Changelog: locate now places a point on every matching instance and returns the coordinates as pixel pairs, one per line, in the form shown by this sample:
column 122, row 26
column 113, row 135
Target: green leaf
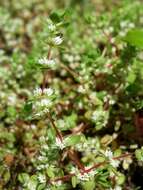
column 23, row 177
column 74, row 181
column 73, row 139
column 67, row 123
column 41, row 187
column 131, row 77
column 120, row 179
column 27, row 110
column 55, row 17
column 60, row 16
column 50, row 172
column 139, row 154
column 6, row 176
column 135, row 37
column 32, row 184
column 90, row 185
column 7, row 136
column 11, row 111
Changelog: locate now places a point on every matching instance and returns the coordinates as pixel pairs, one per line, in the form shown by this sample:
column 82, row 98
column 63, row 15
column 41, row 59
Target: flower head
column 41, row 178
column 113, row 162
column 47, row 62
column 51, row 27
column 57, row 40
column 48, row 91
column 86, row 176
column 60, row 144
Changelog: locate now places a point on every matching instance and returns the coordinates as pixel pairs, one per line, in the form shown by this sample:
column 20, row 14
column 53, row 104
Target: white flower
column 33, row 126
column 127, row 162
column 12, row 100
column 109, row 154
column 57, row 183
column 60, row 144
column 86, row 176
column 111, row 29
column 122, row 33
column 83, row 177
column 81, row 89
column 42, row 60
column 42, row 178
column 41, row 158
column 57, row 40
column 51, row 27
column 100, row 115
column 38, row 114
column 42, row 139
column 43, row 112
column 131, row 25
column 45, row 147
column 114, row 163
column 37, row 92
column 48, row 91
column 48, row 62
column 123, row 24
column 96, row 115
column 112, row 174
column 44, row 102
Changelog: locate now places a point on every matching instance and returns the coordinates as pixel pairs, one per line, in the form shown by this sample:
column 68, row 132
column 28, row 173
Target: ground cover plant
column 71, row 92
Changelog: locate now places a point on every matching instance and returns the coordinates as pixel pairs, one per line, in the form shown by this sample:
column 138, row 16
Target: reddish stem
column 122, row 156
column 63, row 178
column 75, row 159
column 59, row 134
column 67, row 177
column 95, row 166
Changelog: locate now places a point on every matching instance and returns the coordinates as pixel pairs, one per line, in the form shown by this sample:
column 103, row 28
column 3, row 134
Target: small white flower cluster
column 85, row 176
column 51, row 27
column 57, row 40
column 88, row 147
column 12, row 99
column 46, row 91
column 125, row 26
column 109, row 30
column 60, row 144
column 43, row 101
column 49, row 63
column 126, row 162
column 100, row 117
column 113, row 162
column 82, row 89
column 42, row 113
column 57, row 183
column 73, row 59
column 42, row 160
column 41, row 178
column 110, row 99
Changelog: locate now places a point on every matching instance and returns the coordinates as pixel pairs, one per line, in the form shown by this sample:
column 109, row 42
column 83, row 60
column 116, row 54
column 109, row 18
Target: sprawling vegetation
column 71, row 95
